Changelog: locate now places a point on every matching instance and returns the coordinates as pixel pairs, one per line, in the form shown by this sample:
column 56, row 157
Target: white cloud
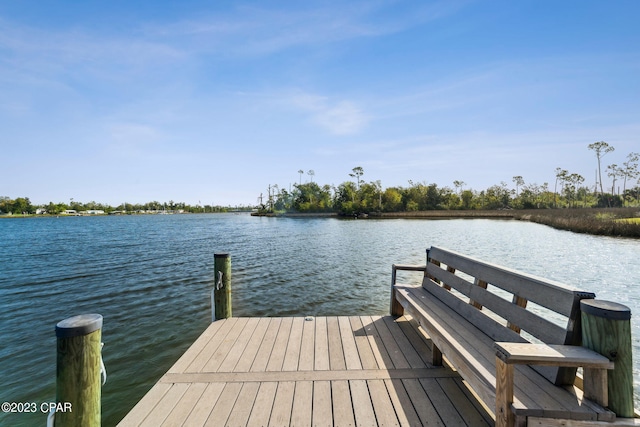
column 259, row 31
column 342, row 117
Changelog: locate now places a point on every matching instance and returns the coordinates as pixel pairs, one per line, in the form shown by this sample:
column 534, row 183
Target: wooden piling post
column 79, row 356
column 222, row 290
column 606, row 329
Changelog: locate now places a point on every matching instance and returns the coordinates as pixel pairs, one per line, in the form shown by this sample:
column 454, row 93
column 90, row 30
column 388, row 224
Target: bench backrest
column 506, row 304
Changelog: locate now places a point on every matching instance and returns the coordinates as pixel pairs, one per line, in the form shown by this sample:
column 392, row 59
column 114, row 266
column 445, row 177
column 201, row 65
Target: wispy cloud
column 253, row 30
column 30, row 51
column 340, row 117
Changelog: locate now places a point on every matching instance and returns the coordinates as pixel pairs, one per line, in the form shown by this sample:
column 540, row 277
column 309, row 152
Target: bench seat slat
column 547, row 293
column 537, row 395
column 471, row 352
column 462, row 345
column 537, row 326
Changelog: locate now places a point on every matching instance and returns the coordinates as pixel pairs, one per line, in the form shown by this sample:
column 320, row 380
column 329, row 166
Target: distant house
column 94, row 212
column 70, row 212
column 41, row 211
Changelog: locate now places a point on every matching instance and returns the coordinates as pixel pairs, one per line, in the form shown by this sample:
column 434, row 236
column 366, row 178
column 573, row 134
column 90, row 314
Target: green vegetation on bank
column 23, row 206
column 359, row 197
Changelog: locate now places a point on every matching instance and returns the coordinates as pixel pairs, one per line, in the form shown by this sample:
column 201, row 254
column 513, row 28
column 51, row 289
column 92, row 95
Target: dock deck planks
column 327, row 371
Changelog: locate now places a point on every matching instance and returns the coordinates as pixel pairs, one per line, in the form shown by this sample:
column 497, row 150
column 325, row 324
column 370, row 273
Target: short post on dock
column 79, row 359
column 222, row 290
column 606, row 329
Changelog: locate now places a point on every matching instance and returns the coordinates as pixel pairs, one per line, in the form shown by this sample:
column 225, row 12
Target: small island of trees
column 357, row 196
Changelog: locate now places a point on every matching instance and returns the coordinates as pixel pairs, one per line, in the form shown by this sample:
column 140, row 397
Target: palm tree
column 601, row 148
column 519, row 182
column 630, row 169
column 357, row 173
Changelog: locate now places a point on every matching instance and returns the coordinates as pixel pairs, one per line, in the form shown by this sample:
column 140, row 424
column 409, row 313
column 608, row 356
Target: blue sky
column 211, row 102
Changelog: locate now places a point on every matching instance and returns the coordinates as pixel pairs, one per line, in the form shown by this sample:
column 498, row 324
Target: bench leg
column 595, row 385
column 504, row 394
column 397, row 309
column 436, row 355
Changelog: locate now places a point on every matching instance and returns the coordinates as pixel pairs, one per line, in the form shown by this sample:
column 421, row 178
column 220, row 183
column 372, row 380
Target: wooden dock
column 319, row 371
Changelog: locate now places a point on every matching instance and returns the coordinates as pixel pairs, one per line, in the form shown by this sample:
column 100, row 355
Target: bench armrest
column 550, row 355
column 396, row 309
column 510, row 353
column 405, row 267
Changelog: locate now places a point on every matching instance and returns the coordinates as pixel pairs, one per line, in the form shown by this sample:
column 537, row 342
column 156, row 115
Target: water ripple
column 151, row 277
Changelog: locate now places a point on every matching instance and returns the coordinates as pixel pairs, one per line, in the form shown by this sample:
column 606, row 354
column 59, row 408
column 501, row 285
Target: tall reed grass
column 604, row 221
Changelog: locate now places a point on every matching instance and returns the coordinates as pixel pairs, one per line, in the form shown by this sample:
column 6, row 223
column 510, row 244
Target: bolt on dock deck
column 320, row 371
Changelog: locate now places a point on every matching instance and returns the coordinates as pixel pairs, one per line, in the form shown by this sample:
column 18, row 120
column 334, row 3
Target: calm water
column 151, row 277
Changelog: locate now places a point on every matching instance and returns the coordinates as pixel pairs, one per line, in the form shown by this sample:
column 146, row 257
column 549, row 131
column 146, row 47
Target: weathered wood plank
column 362, row 406
column 225, row 346
column 483, row 285
column 336, row 352
column 322, row 407
column 248, row 357
column 411, row 355
column 266, row 346
column 203, row 407
column 463, row 345
column 292, row 354
column 247, row 377
column 186, row 404
column 398, row 360
column 446, row 410
column 302, row 404
column 343, row 414
column 326, row 375
column 520, row 302
column 280, row 345
column 261, row 411
column 538, row 397
column 547, row 293
column 422, row 404
column 382, row 406
column 307, row 347
column 282, row 404
column 241, row 411
column 550, row 422
column 405, row 412
column 463, row 405
column 479, row 406
column 321, row 362
column 351, row 356
column 379, row 351
column 536, row 325
column 146, row 405
column 418, row 341
column 225, row 403
column 558, row 355
column 164, row 406
column 203, row 342
column 367, row 358
column 239, row 346
column 199, row 360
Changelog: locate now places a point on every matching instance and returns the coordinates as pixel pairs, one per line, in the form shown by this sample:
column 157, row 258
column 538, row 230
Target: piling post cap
column 221, row 255
column 606, row 309
column 80, row 325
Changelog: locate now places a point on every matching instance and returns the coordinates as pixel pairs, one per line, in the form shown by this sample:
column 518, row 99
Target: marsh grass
column 622, row 222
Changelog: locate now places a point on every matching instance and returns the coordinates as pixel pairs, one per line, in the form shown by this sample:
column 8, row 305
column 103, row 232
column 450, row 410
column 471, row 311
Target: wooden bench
column 513, row 337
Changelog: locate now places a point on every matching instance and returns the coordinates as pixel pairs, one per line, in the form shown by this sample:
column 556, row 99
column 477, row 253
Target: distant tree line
column 22, row 205
column 357, row 196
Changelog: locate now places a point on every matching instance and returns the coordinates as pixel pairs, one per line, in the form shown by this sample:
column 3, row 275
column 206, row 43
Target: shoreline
column 594, row 221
